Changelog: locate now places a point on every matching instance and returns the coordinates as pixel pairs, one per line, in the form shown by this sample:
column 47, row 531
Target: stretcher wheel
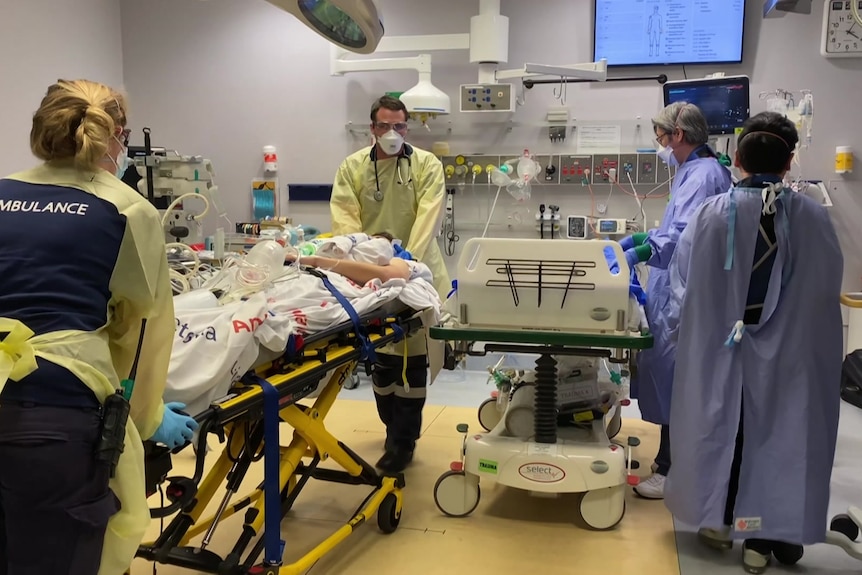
column 457, row 494
column 352, row 380
column 489, row 415
column 603, row 509
column 388, row 516
column 845, row 525
column 616, row 423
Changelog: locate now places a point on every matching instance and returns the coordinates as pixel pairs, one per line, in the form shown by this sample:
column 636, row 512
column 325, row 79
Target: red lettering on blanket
column 299, row 317
column 249, row 326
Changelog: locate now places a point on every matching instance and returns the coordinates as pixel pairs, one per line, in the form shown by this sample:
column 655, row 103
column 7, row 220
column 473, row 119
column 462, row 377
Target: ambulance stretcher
column 247, row 424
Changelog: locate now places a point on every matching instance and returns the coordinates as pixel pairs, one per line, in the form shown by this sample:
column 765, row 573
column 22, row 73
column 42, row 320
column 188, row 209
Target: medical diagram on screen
column 668, row 32
column 654, row 31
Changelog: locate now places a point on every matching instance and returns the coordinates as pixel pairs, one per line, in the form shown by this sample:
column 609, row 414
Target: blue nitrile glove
column 613, row 264
column 176, row 429
column 627, row 243
column 635, row 288
column 401, row 252
column 632, row 257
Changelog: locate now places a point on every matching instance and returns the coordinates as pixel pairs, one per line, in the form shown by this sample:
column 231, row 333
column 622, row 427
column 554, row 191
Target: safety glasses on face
column 661, row 138
column 123, row 137
column 386, row 126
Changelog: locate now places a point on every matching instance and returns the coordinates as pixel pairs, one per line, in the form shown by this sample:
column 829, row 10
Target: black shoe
column 385, row 462
column 395, row 461
column 787, row 554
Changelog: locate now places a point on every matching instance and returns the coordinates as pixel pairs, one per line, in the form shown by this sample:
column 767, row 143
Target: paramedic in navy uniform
column 82, row 264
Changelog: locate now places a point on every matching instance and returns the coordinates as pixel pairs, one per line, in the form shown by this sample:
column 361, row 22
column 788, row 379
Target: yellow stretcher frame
column 240, row 417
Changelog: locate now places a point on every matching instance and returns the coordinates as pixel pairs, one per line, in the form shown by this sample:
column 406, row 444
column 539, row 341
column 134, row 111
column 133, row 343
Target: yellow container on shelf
column 843, row 160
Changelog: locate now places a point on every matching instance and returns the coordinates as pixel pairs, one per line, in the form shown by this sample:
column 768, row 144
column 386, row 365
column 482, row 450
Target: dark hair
column 389, row 103
column 766, row 143
column 385, row 235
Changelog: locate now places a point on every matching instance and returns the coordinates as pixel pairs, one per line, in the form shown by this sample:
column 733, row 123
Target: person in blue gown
column 682, row 132
column 755, row 282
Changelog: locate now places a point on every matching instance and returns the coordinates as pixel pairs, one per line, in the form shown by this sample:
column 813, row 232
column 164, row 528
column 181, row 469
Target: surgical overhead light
column 425, row 98
column 355, row 25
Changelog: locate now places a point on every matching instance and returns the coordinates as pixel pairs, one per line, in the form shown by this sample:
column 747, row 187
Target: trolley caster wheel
column 845, row 525
column 489, row 415
column 603, row 509
column 457, row 494
column 388, row 515
column 352, row 381
column 615, row 424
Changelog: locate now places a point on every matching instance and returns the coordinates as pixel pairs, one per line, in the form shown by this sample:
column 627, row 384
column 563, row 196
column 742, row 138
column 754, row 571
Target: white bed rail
column 544, row 285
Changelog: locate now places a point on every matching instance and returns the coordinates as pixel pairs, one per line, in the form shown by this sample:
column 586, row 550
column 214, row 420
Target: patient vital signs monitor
column 652, row 32
column 724, row 101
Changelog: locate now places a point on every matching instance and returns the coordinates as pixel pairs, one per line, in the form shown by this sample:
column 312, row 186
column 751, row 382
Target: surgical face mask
column 121, row 161
column 391, row 142
column 666, row 154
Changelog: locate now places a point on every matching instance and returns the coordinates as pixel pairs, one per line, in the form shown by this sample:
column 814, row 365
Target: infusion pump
column 577, row 227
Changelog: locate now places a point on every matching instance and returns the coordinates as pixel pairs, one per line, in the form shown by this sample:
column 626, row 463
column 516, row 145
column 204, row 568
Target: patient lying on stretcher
column 371, row 260
column 216, row 343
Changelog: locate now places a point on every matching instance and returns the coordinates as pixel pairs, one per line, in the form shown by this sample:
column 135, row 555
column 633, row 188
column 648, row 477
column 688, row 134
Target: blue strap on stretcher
column 273, row 544
column 366, row 349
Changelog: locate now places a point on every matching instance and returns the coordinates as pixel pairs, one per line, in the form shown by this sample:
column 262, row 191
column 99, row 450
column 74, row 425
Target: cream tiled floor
column 510, row 531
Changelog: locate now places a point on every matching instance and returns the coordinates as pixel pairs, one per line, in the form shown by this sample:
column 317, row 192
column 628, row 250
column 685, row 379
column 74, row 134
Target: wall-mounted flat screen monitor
column 663, row 32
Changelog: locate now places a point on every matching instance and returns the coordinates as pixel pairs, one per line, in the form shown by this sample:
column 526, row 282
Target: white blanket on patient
column 214, row 347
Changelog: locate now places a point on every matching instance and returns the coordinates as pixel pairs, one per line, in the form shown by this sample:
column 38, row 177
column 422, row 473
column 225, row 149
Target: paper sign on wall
column 599, row 139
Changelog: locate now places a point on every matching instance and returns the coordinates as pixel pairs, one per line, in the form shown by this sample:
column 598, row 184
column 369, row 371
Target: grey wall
column 223, row 78
column 41, row 41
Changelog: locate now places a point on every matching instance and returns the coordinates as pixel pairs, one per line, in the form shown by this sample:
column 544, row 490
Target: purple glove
column 627, row 243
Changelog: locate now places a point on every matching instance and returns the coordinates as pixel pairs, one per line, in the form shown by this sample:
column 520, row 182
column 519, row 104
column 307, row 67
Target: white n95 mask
column 666, row 154
column 390, row 142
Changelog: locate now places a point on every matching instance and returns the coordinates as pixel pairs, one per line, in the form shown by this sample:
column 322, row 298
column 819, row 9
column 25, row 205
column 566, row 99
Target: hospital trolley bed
column 556, row 300
column 247, row 424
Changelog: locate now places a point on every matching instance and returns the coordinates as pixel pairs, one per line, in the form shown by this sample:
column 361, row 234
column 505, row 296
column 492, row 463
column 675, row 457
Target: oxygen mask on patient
column 244, row 276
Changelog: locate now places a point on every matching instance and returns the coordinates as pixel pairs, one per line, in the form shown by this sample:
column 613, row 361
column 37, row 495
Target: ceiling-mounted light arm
column 594, row 71
column 424, row 43
column 338, row 66
column 423, row 100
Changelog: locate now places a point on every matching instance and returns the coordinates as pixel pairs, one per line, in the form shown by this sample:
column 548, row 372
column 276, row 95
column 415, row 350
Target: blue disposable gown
column 696, row 180
column 785, row 370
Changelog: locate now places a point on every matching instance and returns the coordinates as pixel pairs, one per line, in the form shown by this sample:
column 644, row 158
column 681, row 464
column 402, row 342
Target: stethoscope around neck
column 406, row 153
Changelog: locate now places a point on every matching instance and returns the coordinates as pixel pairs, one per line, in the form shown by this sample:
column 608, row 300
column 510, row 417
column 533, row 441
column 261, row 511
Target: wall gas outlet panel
column 550, row 173
column 647, row 169
column 487, row 98
column 479, row 169
column 602, row 166
column 575, row 169
column 628, row 168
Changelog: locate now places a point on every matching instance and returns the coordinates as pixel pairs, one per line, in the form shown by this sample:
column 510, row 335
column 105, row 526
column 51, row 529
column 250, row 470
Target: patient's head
column 385, row 235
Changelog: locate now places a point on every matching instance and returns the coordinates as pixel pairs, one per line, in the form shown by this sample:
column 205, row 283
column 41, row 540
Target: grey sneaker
column 716, row 538
column 754, row 562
